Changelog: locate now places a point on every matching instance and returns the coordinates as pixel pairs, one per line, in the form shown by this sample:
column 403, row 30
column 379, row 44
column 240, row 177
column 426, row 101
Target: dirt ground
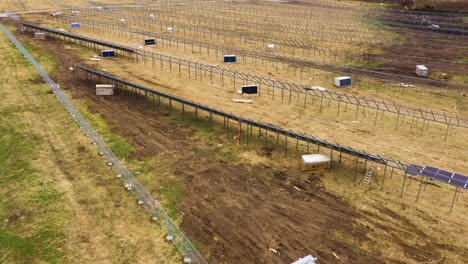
column 254, row 206
column 237, row 212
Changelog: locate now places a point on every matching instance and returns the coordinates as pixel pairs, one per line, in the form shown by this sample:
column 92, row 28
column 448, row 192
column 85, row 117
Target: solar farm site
column 267, row 131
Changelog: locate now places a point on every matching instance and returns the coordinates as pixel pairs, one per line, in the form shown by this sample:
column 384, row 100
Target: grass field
column 60, row 203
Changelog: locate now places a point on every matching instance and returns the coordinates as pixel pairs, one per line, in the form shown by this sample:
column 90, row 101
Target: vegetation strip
column 157, row 212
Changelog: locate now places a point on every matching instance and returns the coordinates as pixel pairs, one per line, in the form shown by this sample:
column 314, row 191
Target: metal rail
column 213, row 29
column 379, row 11
column 182, row 243
column 396, row 58
column 206, row 12
column 306, row 63
column 237, row 20
column 22, row 5
column 303, row 12
column 271, row 16
column 144, row 91
column 297, row 89
column 235, row 118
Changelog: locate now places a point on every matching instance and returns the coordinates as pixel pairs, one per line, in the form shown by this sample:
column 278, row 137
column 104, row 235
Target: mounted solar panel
column 229, row 58
column 429, row 172
column 413, row 170
column 150, row 42
column 107, row 53
column 75, row 25
column 443, row 176
column 459, row 180
column 431, row 169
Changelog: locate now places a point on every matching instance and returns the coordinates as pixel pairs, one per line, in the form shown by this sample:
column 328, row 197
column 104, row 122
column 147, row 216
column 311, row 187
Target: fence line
column 182, row 243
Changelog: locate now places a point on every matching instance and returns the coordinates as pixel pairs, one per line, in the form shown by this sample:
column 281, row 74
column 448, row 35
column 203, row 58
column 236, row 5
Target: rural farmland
column 266, row 131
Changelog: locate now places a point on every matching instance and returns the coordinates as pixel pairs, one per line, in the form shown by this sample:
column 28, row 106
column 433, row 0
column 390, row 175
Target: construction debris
column 319, row 88
column 405, row 85
column 242, row 101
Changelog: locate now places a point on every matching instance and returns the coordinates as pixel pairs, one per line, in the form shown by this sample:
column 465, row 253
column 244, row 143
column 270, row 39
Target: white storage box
column 104, row 89
column 313, row 162
column 39, row 35
column 421, row 70
column 271, row 47
column 343, row 81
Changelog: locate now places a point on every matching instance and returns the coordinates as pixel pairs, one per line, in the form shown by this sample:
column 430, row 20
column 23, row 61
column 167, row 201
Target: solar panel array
column 438, row 175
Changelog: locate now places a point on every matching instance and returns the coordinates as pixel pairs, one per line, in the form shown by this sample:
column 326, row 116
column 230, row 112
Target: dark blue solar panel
column 443, row 176
column 431, row 169
column 429, row 172
column 440, row 175
column 460, row 181
column 445, row 173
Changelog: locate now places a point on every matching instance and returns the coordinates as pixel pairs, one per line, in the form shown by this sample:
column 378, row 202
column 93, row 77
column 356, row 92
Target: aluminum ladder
column 368, row 176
